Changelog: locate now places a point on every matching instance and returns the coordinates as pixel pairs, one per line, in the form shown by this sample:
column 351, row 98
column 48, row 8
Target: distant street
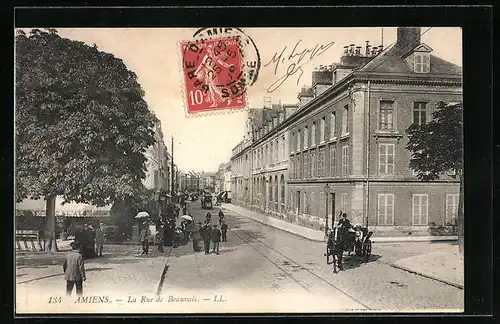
column 256, row 260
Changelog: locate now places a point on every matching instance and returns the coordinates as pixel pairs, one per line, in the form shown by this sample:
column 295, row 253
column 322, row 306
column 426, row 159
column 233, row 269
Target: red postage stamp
column 213, row 75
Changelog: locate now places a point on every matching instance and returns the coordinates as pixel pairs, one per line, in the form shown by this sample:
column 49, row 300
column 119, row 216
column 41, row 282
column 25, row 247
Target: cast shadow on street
column 353, row 261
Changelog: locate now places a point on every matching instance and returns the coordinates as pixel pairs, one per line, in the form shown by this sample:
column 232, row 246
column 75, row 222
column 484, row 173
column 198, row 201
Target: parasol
column 142, row 214
column 187, row 217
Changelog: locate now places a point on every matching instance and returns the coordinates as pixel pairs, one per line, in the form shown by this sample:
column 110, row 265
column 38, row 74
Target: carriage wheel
column 368, row 250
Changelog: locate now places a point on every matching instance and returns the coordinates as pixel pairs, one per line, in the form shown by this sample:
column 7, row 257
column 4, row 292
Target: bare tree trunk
column 50, row 211
column 460, row 216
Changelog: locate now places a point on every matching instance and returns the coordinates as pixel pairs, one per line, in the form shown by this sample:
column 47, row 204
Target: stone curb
column 402, row 239
column 407, row 269
column 281, row 229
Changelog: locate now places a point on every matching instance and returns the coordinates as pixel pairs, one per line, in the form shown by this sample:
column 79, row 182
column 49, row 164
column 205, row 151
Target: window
column 271, row 153
column 301, row 166
column 313, row 134
column 386, row 159
column 293, row 143
column 282, row 189
column 283, row 148
column 304, row 202
column 321, row 162
column 332, row 125
column 313, row 164
column 420, row 209
column 386, row 115
column 292, row 168
column 333, row 160
column 307, row 165
column 344, row 203
column 451, row 208
column 322, row 130
column 345, row 124
column 345, row 160
column 306, row 137
column 298, row 147
column 321, row 211
column 422, row 63
column 419, row 113
column 385, row 209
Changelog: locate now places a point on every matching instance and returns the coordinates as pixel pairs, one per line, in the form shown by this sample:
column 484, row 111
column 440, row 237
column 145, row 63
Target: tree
column 437, row 147
column 82, row 125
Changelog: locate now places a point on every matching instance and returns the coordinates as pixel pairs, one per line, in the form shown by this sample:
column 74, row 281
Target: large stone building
column 347, row 142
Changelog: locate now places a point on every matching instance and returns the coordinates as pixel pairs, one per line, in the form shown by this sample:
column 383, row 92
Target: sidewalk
column 319, row 236
column 447, row 267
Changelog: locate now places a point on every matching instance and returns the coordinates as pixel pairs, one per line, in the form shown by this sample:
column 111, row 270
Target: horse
column 336, row 246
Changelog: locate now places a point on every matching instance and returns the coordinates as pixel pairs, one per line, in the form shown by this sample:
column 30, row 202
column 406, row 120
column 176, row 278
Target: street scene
column 230, row 170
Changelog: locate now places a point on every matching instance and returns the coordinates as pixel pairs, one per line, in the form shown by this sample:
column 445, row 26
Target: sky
column 202, row 143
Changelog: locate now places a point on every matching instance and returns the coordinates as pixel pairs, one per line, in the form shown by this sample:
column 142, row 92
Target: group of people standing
column 210, row 234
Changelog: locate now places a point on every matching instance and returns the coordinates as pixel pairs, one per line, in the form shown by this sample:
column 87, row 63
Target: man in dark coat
column 216, row 239
column 223, row 228
column 74, row 270
column 221, row 216
column 206, row 238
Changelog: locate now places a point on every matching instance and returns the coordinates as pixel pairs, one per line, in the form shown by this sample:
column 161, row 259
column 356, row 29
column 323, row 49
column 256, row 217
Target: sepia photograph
column 238, row 169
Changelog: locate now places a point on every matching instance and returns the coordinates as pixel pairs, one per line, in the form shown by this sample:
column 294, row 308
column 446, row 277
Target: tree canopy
column 82, row 125
column 437, row 146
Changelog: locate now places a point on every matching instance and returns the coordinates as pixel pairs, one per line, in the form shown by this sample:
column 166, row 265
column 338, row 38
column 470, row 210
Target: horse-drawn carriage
column 355, row 240
column 206, row 202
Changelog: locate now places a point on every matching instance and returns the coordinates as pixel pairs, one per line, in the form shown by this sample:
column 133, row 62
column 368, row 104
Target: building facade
column 157, row 163
column 346, row 144
column 347, row 148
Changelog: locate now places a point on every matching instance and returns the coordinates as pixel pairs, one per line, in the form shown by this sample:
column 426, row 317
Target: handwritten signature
column 301, row 58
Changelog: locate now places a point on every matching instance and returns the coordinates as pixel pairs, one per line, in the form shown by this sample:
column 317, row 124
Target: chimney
column 346, row 50
column 380, row 48
column 367, row 49
column 358, row 50
column 351, row 49
column 374, row 50
column 408, row 37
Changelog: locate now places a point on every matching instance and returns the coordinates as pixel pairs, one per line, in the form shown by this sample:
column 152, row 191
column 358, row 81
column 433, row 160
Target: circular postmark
column 216, row 69
column 249, row 51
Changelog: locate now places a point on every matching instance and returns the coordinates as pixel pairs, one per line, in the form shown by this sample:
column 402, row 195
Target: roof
column 391, row 61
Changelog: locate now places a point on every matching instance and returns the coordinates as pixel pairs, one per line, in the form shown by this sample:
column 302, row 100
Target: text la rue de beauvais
column 143, row 299
column 226, row 92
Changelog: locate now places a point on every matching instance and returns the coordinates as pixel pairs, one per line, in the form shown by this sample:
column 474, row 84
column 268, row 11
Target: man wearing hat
column 74, row 269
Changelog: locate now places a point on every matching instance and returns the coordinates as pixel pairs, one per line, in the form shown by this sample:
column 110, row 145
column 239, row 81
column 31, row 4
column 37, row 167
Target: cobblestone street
column 257, row 260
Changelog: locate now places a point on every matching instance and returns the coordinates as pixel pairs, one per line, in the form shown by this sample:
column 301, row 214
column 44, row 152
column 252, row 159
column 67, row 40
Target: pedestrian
column 74, row 270
column 223, row 228
column 144, row 238
column 197, row 237
column 216, row 239
column 161, row 238
column 99, row 240
column 221, row 216
column 207, row 233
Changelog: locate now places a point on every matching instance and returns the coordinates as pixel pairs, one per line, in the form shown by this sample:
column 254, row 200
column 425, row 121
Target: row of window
column 302, row 139
column 270, row 153
column 420, row 209
column 300, row 203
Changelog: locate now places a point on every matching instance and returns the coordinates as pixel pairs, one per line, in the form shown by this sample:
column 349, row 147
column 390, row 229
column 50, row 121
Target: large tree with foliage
column 82, row 125
column 437, row 147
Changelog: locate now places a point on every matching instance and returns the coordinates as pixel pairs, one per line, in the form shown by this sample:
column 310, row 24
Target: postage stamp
column 213, row 75
column 218, row 66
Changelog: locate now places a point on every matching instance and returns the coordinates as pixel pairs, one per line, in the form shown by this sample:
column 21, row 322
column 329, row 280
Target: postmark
column 218, row 66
